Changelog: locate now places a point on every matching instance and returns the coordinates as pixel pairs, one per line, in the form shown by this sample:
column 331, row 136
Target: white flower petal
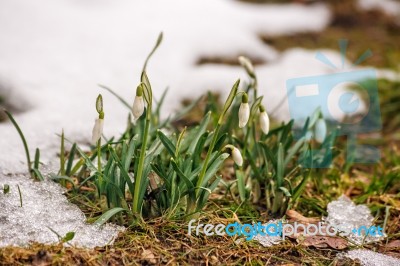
column 244, row 114
column 320, row 130
column 97, row 130
column 138, row 107
column 237, row 156
column 264, row 122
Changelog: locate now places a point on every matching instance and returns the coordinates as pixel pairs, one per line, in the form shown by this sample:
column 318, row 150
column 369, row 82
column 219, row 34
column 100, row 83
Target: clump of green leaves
column 153, row 169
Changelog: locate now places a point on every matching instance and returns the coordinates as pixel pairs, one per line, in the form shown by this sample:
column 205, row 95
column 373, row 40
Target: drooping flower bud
column 320, row 130
column 237, row 156
column 248, row 66
column 138, row 103
column 97, row 130
column 99, row 122
column 264, row 120
column 244, row 111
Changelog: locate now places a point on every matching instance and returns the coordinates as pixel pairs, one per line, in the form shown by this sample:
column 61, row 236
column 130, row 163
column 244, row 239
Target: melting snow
column 344, row 213
column 268, row 240
column 370, row 258
column 390, row 7
column 44, row 208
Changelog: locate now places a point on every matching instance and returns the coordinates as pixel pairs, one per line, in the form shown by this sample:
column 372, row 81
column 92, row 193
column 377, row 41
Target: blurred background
column 53, row 55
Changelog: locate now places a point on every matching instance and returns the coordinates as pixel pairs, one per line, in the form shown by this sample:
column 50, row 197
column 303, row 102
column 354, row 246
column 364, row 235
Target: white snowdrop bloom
column 244, row 111
column 237, row 156
column 264, row 120
column 138, row 103
column 320, row 130
column 97, row 130
column 248, row 66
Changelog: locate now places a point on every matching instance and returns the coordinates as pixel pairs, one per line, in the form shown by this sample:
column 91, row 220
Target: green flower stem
column 99, row 165
column 255, row 87
column 208, row 156
column 139, row 175
column 227, row 105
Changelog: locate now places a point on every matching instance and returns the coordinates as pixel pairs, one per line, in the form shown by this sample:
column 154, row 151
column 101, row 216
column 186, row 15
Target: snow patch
column 45, row 208
column 390, row 7
column 370, row 258
column 346, row 215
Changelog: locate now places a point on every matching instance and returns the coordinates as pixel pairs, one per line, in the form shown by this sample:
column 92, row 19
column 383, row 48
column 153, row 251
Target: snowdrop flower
column 97, row 130
column 320, row 130
column 248, row 66
column 264, row 120
column 99, row 122
column 236, row 155
column 138, row 103
column 244, row 111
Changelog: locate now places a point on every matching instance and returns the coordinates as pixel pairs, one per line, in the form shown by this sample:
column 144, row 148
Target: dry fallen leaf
column 394, row 244
column 294, row 215
column 148, row 255
column 325, row 241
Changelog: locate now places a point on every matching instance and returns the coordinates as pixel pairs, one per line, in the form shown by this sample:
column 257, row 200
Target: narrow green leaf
column 107, row 215
column 280, row 166
column 254, row 107
column 229, row 100
column 38, row 174
column 167, row 143
column 220, row 142
column 20, row 196
column 70, row 160
column 68, row 237
column 188, row 183
column 241, row 185
column 28, row 158
column 122, row 169
column 88, row 160
column 158, row 42
column 199, row 148
column 199, row 131
column 62, row 155
column 293, row 150
column 213, row 168
column 37, row 159
column 205, row 194
column 125, row 103
column 131, row 150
